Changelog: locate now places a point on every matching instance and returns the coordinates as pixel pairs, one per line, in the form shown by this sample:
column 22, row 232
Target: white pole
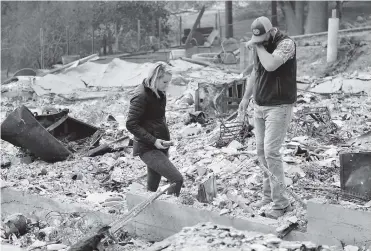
column 332, row 42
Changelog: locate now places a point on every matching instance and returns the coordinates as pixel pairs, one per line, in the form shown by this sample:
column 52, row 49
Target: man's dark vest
column 277, row 87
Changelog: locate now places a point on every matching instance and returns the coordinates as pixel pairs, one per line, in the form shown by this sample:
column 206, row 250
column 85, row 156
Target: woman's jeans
column 158, row 164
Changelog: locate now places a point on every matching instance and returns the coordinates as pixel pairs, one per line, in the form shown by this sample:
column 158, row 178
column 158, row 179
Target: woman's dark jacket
column 146, row 119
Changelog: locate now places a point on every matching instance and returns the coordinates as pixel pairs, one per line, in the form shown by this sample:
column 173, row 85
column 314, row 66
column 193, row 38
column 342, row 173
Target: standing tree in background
column 274, row 13
column 317, row 17
column 294, row 16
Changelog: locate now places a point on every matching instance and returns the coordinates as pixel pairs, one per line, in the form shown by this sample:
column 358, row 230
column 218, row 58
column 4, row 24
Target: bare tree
column 294, row 16
column 274, row 13
column 317, row 17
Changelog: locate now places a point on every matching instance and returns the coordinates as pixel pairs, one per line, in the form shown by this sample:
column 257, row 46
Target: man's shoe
column 276, row 213
column 262, row 203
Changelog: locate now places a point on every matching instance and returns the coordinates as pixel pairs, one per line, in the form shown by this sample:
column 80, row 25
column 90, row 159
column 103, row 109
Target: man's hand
column 163, row 144
column 249, row 45
column 242, row 108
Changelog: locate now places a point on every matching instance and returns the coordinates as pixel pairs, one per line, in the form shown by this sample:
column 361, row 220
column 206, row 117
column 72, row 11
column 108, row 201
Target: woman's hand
column 163, row 144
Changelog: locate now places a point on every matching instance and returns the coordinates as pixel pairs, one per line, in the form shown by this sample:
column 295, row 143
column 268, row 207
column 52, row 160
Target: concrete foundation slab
column 327, row 224
column 163, row 219
column 13, row 201
column 348, row 226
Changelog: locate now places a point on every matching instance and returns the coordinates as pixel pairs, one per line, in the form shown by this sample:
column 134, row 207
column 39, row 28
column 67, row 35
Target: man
column 273, row 86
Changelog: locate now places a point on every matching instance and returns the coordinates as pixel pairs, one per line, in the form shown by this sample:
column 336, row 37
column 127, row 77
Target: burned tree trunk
column 317, row 17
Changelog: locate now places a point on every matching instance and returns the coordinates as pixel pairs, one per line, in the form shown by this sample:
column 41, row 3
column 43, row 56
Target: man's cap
column 259, row 28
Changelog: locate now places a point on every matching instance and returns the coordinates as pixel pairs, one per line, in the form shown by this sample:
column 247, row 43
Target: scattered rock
column 77, row 176
column 189, row 130
column 15, row 223
column 117, row 198
column 351, row 248
column 273, row 241
column 186, row 199
column 44, row 171
column 224, row 211
column 187, row 99
column 259, row 247
column 5, row 162
column 37, row 244
column 360, row 19
column 56, row 247
column 112, row 204
column 47, row 233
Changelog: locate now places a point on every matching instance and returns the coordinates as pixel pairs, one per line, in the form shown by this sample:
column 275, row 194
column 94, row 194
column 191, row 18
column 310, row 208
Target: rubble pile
column 59, row 232
column 208, row 236
column 310, row 153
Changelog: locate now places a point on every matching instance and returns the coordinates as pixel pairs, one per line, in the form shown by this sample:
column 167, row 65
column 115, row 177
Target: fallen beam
column 198, row 19
column 207, row 64
column 345, row 31
column 78, row 62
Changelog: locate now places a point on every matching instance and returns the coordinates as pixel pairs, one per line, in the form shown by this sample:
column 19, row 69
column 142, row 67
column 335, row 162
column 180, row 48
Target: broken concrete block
column 116, row 198
column 187, row 99
column 259, row 247
column 201, row 170
column 300, row 139
column 56, row 247
column 192, row 129
column 37, row 244
column 291, row 169
column 224, row 211
column 230, row 151
column 288, row 181
column 291, row 245
column 273, row 241
column 293, row 219
column 329, row 86
column 5, row 162
column 351, row 248
column 77, row 176
column 112, row 204
column 217, row 167
column 235, row 144
column 47, row 233
column 332, row 152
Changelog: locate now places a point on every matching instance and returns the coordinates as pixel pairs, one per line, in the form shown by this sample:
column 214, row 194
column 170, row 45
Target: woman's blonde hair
column 159, row 70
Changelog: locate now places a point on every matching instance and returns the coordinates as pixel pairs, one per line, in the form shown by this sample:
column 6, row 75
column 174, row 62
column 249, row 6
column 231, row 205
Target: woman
column 147, row 122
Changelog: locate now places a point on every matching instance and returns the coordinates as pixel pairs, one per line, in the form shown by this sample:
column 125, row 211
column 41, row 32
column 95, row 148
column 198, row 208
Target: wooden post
column 159, row 32
column 138, row 34
column 41, row 48
column 216, row 21
column 180, row 31
column 68, row 40
column 92, row 40
column 195, row 25
column 332, row 39
column 228, row 19
column 274, row 13
column 220, row 27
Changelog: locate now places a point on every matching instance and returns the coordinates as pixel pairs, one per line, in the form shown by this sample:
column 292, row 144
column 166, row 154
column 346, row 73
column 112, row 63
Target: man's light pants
column 271, row 124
